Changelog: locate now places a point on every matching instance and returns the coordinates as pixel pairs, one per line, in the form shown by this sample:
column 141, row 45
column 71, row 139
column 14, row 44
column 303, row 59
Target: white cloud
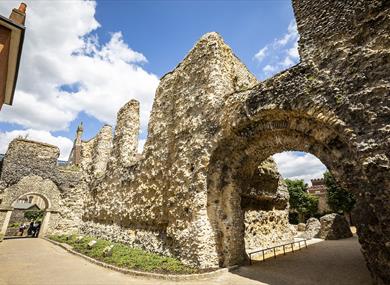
column 64, row 144
column 293, row 52
column 60, row 50
column 287, row 61
column 282, row 53
column 260, row 55
column 290, row 36
column 269, row 68
column 296, row 165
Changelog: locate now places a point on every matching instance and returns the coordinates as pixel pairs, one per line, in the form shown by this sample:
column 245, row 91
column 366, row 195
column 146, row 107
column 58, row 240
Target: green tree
column 34, row 215
column 303, row 203
column 339, row 199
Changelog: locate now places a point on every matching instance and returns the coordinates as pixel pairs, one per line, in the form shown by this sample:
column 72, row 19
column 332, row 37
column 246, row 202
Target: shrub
column 14, row 225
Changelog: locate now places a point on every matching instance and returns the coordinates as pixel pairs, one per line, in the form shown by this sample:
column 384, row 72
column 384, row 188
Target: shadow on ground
column 338, row 262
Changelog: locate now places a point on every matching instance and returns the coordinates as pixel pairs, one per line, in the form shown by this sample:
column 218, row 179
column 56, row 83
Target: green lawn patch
column 126, row 256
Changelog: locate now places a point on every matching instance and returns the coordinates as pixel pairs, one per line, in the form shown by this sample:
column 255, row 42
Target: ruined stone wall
column 25, row 157
column 95, row 153
column 213, row 124
column 125, row 143
column 31, row 168
column 163, row 196
column 265, row 207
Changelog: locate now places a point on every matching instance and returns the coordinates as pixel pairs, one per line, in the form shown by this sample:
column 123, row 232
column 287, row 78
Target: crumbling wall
column 125, row 143
column 25, row 157
column 213, row 124
column 31, row 167
column 265, row 206
column 166, row 191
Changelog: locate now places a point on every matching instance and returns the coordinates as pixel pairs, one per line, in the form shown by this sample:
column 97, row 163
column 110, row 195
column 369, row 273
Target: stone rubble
column 91, row 244
column 312, row 228
column 334, row 226
column 107, row 251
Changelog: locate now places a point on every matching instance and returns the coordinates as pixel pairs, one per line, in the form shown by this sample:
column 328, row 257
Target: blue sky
column 83, row 60
column 166, row 30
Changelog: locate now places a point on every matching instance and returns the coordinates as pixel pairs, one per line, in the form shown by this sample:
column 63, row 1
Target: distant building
column 11, row 43
column 30, row 200
column 318, row 189
column 75, row 154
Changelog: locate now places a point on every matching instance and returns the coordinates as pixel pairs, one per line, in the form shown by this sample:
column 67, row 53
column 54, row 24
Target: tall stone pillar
column 102, row 149
column 126, row 134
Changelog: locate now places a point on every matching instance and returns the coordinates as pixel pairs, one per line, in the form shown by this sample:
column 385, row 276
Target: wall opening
column 29, row 217
column 235, row 188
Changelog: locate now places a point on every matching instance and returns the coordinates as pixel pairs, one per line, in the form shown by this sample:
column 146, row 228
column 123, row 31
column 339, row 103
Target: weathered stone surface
column 165, row 191
column 25, row 158
column 213, row 124
column 30, row 168
column 266, row 229
column 125, row 144
column 312, row 228
column 301, row 227
column 334, row 226
column 265, row 207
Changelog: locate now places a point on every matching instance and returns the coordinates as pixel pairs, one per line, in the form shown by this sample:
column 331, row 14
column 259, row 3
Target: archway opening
column 236, row 176
column 28, row 216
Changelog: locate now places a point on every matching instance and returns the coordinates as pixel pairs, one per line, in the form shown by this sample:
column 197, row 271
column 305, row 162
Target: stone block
column 107, row 251
column 79, row 238
column 334, row 226
column 312, row 228
column 91, row 244
column 301, row 227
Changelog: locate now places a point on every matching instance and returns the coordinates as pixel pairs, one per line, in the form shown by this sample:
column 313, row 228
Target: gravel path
column 36, row 261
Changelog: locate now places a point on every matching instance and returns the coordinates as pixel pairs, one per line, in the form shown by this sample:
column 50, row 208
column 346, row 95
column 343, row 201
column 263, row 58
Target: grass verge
column 125, row 256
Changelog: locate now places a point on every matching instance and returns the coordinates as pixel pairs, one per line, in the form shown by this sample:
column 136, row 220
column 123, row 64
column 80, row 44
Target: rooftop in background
column 11, row 43
column 24, row 206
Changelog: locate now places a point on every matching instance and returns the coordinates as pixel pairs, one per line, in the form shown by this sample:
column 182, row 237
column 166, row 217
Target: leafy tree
column 339, row 199
column 34, row 215
column 303, row 203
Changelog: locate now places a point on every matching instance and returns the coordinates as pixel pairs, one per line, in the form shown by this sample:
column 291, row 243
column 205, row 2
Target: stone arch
column 253, row 139
column 31, row 185
column 48, row 204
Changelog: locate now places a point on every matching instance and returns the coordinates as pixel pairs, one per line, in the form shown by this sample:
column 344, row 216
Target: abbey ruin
column 205, row 182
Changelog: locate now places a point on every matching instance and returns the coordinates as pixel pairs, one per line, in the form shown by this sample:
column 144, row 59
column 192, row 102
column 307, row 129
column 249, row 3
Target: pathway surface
column 36, row 261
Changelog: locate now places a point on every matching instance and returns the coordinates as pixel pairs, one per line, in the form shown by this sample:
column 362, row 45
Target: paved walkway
column 36, row 261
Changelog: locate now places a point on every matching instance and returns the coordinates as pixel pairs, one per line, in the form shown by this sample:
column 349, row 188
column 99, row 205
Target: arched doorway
column 251, row 142
column 35, row 189
column 30, row 207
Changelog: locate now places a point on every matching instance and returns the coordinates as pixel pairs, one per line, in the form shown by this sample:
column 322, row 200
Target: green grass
column 125, row 256
column 14, row 225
